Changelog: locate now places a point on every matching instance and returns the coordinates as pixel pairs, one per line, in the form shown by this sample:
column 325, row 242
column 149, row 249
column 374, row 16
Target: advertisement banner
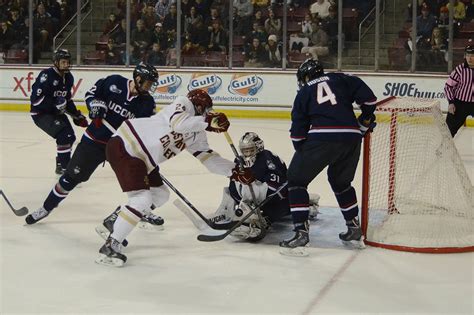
column 246, row 90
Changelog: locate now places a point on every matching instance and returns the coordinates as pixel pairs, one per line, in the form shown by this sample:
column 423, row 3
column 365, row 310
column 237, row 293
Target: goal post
column 416, row 193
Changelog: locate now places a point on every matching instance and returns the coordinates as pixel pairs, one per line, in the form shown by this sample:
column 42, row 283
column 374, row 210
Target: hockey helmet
column 145, row 77
column 250, row 145
column 469, row 49
column 309, row 70
column 62, row 54
column 201, row 100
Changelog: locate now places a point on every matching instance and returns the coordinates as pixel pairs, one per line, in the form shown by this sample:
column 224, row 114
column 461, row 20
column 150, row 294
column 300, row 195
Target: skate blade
column 355, row 244
column 150, row 227
column 102, row 231
column 108, row 261
column 301, row 251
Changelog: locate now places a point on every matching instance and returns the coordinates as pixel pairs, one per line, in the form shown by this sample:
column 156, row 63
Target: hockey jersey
column 48, row 87
column 114, row 90
column 323, row 110
column 175, row 128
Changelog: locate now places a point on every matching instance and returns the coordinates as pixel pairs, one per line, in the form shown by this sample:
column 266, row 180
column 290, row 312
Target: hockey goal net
column 416, row 195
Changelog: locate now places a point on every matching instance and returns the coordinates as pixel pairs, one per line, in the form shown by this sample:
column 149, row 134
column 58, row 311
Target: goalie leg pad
column 225, row 211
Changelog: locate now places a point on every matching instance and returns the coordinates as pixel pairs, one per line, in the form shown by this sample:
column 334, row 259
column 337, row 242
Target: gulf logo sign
column 168, row 83
column 205, row 81
column 245, row 84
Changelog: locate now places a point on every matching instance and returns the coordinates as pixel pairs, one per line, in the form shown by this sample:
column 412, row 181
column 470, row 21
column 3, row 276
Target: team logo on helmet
column 245, row 84
column 208, row 82
column 168, row 83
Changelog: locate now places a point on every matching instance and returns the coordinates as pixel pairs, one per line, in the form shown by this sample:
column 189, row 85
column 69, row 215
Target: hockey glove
column 366, row 124
column 61, row 105
column 217, row 122
column 80, row 120
column 98, row 109
column 243, row 175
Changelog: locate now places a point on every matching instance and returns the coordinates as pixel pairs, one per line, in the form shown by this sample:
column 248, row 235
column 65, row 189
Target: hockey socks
column 126, row 221
column 59, row 192
column 347, row 201
column 63, row 155
column 299, row 204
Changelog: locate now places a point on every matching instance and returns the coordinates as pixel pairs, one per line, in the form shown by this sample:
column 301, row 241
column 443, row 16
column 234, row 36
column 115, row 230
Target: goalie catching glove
column 243, row 175
column 80, row 120
column 217, row 122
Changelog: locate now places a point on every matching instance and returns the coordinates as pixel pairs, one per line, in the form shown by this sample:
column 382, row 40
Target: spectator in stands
column 140, row 37
column 43, row 24
column 217, row 37
column 191, row 18
column 318, row 42
column 202, row 7
column 111, row 24
column 213, row 16
column 19, row 29
column 255, row 55
column 7, row 37
column 156, row 56
column 257, row 32
column 245, row 12
column 186, row 7
column 306, row 25
column 438, row 46
column 425, row 23
column 149, row 16
column 273, row 24
column 160, row 36
column 258, row 17
column 238, row 30
column 274, row 52
column 171, row 19
column 112, row 53
column 119, row 35
column 330, row 26
column 199, row 35
column 320, row 9
column 260, row 4
column 459, row 12
column 135, row 56
column 162, row 8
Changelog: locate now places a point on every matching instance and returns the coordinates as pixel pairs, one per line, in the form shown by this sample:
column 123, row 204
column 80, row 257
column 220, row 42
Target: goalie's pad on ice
column 225, row 211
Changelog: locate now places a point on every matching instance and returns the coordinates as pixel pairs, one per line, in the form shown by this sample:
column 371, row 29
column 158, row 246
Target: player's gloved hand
column 80, row 120
column 243, row 175
column 217, row 122
column 61, row 105
column 366, row 124
column 97, row 110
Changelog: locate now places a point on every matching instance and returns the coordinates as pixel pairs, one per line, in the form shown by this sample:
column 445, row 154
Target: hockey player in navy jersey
column 51, row 101
column 111, row 101
column 267, row 172
column 326, row 132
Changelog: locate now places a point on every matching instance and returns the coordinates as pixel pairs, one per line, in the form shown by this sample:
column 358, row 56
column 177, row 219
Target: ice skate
column 109, row 254
column 151, row 222
column 107, row 227
column 297, row 246
column 36, row 216
column 353, row 237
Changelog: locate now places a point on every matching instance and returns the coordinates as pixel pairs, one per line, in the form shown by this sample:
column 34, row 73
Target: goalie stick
column 256, row 210
column 235, row 225
column 19, row 212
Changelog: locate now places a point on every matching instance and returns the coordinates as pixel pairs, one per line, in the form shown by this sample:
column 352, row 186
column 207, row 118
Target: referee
column 459, row 90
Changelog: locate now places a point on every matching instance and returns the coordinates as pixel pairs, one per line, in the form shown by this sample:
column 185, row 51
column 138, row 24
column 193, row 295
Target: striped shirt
column 460, row 84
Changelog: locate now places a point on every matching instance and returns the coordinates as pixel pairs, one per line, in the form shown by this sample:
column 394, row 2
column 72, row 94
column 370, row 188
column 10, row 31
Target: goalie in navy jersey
column 266, row 172
column 111, row 101
column 326, row 133
column 51, row 101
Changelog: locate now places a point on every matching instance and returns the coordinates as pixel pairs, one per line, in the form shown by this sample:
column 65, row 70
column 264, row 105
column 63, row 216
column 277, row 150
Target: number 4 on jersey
column 325, row 94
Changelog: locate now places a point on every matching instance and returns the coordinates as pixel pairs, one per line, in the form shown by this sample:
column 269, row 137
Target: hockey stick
column 213, row 238
column 252, row 192
column 190, row 205
column 19, row 212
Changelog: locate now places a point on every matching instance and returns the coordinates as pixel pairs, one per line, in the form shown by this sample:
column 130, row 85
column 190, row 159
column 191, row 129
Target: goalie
column 265, row 172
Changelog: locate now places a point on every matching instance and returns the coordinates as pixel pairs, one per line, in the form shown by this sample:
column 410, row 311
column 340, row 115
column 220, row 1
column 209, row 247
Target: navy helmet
column 309, row 70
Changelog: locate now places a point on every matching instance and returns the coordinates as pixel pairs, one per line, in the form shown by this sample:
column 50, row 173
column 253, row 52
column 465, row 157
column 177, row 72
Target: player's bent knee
column 67, row 182
column 65, row 136
column 160, row 195
column 140, row 200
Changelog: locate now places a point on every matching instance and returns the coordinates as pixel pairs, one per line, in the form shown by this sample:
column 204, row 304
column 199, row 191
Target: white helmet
column 250, row 145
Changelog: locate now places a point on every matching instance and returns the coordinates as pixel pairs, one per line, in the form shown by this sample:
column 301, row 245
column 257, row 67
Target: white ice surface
column 49, row 267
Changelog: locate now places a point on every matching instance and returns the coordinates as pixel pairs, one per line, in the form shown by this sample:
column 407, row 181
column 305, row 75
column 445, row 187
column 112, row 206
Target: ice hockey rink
column 49, row 267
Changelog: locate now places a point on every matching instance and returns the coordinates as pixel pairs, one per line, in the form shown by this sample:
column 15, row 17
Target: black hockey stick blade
column 19, row 212
column 212, row 238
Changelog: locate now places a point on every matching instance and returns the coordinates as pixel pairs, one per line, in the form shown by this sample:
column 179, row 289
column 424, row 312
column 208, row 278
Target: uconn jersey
column 270, row 169
column 48, row 86
column 114, row 90
column 323, row 108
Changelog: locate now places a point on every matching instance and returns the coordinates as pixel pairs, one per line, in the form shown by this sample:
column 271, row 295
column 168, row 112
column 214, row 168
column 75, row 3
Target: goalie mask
column 201, row 100
column 250, row 145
